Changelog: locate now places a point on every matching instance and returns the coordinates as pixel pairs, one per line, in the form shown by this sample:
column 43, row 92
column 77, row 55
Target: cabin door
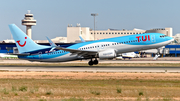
column 40, row 55
column 153, row 38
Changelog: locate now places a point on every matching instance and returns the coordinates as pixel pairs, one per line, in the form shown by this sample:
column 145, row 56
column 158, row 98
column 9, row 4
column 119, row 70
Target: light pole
column 94, row 14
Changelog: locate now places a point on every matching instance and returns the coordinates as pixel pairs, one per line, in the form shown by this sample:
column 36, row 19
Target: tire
column 90, row 63
column 95, row 62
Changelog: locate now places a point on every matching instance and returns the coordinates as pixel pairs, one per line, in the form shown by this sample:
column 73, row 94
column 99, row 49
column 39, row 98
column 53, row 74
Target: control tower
column 28, row 21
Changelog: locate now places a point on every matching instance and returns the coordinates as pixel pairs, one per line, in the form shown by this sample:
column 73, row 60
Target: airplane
column 104, row 48
column 128, row 55
column 159, row 50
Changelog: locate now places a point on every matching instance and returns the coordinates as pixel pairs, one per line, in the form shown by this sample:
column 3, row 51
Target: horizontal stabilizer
column 24, row 54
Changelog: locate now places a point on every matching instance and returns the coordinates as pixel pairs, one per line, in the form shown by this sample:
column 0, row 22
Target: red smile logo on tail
column 22, row 44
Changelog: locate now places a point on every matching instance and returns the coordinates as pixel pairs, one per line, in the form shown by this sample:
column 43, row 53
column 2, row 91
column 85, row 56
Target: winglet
column 82, row 40
column 53, row 45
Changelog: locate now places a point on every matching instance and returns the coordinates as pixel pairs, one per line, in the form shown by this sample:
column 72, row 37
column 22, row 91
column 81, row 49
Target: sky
column 53, row 16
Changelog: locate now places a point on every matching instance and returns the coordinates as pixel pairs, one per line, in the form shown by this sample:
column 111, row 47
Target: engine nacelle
column 107, row 54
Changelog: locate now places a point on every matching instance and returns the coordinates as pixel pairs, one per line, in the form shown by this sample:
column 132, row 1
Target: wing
column 79, row 52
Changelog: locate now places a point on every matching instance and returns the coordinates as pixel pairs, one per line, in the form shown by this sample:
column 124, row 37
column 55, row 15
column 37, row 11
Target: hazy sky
column 53, row 16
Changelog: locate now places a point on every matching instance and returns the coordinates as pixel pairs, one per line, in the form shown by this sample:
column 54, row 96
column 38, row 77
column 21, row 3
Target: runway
column 93, row 69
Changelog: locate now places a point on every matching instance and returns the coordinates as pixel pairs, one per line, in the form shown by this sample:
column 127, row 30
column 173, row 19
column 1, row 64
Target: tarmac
column 133, row 60
column 95, row 69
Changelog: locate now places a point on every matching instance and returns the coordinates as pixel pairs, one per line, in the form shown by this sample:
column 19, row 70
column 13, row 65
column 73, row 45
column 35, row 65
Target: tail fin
column 23, row 42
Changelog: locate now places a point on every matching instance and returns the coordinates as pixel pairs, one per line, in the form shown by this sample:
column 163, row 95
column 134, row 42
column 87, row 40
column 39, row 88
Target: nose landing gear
column 157, row 54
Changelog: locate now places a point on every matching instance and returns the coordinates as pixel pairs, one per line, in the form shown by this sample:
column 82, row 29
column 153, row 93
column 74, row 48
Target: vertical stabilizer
column 23, row 42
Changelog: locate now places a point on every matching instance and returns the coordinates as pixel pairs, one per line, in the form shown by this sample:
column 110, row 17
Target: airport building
column 73, row 33
column 86, row 33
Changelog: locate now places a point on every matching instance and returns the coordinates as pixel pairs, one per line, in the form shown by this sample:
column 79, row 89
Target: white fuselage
column 119, row 48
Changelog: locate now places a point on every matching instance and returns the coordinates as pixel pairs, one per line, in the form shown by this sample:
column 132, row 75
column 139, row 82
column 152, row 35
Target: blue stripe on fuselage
column 45, row 55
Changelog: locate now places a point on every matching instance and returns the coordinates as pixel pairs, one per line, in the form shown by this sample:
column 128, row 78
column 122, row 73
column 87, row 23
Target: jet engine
column 107, row 54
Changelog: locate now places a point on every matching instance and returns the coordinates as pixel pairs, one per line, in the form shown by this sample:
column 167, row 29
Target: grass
column 51, row 88
column 14, row 88
column 73, row 99
column 23, row 88
column 81, row 88
column 16, row 94
column 95, row 92
column 141, row 93
column 5, row 91
column 48, row 93
column 118, row 90
column 42, row 100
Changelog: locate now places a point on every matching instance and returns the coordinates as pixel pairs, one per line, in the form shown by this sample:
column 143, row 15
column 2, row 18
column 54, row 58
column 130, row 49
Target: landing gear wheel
column 95, row 62
column 156, row 56
column 90, row 63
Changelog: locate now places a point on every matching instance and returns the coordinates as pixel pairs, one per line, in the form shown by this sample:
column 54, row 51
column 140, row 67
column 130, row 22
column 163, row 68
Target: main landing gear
column 95, row 62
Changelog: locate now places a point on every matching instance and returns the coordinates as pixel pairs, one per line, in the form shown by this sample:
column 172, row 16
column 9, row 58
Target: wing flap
column 75, row 51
